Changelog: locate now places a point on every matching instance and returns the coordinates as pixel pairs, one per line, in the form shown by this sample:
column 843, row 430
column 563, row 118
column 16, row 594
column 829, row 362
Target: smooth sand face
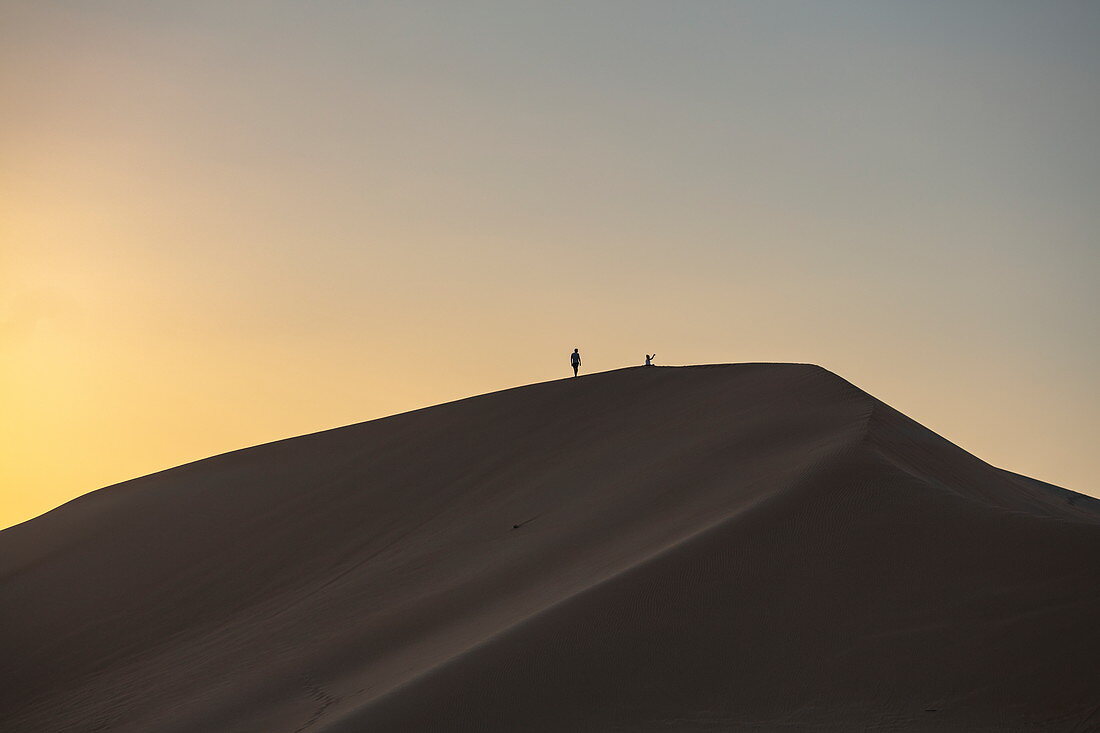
column 748, row 547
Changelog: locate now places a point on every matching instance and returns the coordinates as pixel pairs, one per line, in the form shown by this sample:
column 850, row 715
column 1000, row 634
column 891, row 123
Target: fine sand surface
column 757, row 547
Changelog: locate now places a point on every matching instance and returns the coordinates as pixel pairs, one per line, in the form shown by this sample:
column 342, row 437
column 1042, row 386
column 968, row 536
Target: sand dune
column 746, row 547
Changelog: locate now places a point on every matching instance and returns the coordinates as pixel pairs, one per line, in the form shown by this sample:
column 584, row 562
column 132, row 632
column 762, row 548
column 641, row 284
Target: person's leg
column 575, row 367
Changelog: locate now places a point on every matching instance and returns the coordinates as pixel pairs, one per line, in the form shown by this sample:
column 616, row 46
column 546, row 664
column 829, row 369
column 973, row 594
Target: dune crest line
column 724, row 547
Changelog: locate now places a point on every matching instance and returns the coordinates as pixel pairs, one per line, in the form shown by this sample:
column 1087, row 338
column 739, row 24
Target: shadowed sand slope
column 743, row 547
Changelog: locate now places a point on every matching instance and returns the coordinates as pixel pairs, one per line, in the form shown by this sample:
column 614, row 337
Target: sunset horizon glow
column 223, row 225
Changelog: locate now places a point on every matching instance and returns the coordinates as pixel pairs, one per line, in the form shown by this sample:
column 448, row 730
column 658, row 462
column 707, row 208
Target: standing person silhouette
column 575, row 360
column 649, row 359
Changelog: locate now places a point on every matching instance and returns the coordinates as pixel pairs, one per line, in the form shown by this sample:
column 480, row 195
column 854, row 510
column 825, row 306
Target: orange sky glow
column 227, row 223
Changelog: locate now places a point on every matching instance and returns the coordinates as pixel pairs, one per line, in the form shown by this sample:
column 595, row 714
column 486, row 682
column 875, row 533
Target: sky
column 225, row 223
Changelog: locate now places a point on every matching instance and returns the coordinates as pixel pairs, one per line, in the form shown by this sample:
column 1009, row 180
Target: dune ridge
column 731, row 547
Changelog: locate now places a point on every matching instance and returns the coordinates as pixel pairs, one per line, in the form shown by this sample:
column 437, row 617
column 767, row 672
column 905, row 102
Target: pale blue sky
column 317, row 213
